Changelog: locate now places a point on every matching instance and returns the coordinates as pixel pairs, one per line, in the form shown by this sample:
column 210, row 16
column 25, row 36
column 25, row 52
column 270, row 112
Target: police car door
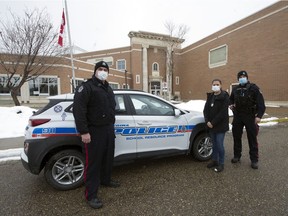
column 158, row 129
column 125, row 142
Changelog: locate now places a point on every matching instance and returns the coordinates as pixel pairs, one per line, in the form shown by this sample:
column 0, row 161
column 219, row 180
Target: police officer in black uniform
column 94, row 113
column 247, row 104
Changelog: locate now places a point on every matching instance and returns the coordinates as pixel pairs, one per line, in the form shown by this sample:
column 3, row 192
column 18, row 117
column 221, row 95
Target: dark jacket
column 94, row 105
column 247, row 99
column 216, row 111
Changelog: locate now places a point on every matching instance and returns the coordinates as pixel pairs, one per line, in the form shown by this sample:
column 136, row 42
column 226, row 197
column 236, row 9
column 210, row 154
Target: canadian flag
column 62, row 27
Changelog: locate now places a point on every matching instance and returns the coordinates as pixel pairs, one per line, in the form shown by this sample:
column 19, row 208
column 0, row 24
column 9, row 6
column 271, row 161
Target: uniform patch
column 80, row 89
column 58, row 108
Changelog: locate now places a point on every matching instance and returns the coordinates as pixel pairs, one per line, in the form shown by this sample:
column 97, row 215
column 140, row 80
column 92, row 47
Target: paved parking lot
column 171, row 186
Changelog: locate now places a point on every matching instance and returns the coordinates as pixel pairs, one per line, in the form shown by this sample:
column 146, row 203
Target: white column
column 145, row 67
column 25, row 94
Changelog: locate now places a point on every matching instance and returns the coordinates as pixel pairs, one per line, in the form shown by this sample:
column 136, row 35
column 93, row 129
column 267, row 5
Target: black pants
column 99, row 154
column 252, row 129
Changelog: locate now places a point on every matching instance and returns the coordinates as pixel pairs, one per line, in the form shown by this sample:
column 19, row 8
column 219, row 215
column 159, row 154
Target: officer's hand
column 209, row 125
column 257, row 120
column 232, row 106
column 86, row 138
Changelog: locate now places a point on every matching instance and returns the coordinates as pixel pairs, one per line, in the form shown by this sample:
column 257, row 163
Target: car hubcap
column 68, row 170
column 205, row 147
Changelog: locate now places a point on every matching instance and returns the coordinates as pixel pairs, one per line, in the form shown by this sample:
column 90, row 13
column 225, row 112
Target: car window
column 147, row 105
column 120, row 108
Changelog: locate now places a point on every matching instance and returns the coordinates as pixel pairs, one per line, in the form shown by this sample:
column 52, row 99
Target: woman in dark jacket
column 217, row 120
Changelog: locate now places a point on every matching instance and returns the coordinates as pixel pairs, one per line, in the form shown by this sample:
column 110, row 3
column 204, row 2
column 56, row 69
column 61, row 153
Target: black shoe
column 235, row 160
column 254, row 165
column 212, row 164
column 95, row 203
column 112, row 184
column 219, row 168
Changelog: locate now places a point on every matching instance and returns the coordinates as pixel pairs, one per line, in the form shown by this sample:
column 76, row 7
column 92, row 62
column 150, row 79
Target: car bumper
column 24, row 160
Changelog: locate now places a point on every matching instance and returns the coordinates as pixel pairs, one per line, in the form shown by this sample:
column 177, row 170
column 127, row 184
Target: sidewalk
column 11, row 143
column 276, row 103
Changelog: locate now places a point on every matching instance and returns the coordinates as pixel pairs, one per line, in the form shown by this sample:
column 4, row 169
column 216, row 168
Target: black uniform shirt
column 94, row 105
column 248, row 99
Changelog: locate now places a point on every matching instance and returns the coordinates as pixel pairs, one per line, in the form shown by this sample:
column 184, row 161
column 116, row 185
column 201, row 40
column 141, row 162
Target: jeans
column 218, row 153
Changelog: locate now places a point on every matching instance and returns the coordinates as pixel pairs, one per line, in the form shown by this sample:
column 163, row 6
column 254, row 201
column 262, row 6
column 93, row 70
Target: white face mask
column 243, row 80
column 215, row 88
column 102, row 75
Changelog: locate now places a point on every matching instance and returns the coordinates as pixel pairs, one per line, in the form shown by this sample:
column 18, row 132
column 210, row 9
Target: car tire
column 202, row 147
column 65, row 170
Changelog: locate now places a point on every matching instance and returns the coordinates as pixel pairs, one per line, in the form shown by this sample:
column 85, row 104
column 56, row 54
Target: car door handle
column 144, row 123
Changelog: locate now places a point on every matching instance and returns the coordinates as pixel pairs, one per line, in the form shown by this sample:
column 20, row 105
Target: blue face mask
column 243, row 80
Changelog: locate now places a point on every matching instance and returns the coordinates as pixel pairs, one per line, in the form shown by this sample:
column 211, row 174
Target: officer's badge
column 80, row 89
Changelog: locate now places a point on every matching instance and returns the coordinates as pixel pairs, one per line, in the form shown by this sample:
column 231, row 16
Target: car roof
column 70, row 96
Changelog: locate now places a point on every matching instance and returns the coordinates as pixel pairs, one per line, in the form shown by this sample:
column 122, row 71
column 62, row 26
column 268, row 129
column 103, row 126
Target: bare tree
column 176, row 34
column 28, row 47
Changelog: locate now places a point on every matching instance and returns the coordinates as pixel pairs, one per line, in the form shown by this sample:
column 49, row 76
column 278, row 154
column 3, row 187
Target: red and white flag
column 62, row 27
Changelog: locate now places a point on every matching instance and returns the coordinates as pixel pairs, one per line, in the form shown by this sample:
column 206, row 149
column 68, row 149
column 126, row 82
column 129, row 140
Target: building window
column 177, row 80
column 138, row 79
column 124, row 86
column 78, row 82
column 114, row 85
column 3, row 84
column 43, row 86
column 121, row 64
column 108, row 60
column 218, row 56
column 155, row 67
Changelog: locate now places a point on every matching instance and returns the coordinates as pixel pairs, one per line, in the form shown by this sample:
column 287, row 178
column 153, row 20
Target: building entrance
column 155, row 88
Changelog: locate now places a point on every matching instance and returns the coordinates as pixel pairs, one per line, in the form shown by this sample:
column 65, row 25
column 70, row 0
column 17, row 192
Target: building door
column 155, row 87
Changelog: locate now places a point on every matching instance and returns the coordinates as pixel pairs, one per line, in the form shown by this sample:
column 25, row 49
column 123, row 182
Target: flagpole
column 71, row 50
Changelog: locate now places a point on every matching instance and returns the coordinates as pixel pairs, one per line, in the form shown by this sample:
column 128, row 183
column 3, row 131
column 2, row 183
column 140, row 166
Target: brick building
column 257, row 44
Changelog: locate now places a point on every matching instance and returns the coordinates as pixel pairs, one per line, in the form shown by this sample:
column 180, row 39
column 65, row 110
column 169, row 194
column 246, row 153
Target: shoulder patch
column 80, row 89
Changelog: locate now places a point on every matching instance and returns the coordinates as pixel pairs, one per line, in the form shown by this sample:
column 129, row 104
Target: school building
column 257, row 44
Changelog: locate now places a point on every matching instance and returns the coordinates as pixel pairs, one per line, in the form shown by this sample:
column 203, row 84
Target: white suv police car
column 146, row 126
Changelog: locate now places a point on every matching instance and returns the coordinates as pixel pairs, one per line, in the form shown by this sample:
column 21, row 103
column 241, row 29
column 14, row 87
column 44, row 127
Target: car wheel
column 64, row 170
column 202, row 147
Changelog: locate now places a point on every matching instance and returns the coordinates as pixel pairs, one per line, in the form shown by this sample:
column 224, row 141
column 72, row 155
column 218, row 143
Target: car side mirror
column 177, row 112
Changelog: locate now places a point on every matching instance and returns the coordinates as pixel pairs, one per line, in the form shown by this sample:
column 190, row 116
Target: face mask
column 243, row 80
column 102, row 75
column 215, row 88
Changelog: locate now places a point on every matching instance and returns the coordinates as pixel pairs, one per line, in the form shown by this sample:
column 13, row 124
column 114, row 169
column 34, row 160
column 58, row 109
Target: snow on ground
column 15, row 119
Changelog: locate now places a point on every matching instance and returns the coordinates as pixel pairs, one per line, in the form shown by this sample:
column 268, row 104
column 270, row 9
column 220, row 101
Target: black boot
column 235, row 160
column 219, row 168
column 212, row 164
column 254, row 165
column 95, row 203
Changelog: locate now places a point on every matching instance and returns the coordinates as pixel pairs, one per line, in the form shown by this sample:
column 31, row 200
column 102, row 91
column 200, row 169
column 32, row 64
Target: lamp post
column 125, row 79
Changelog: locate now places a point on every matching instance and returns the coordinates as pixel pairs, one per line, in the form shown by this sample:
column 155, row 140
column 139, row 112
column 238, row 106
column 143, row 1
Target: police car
column 146, row 126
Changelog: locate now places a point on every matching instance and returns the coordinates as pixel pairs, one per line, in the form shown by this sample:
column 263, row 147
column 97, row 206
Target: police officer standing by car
column 94, row 113
column 247, row 104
